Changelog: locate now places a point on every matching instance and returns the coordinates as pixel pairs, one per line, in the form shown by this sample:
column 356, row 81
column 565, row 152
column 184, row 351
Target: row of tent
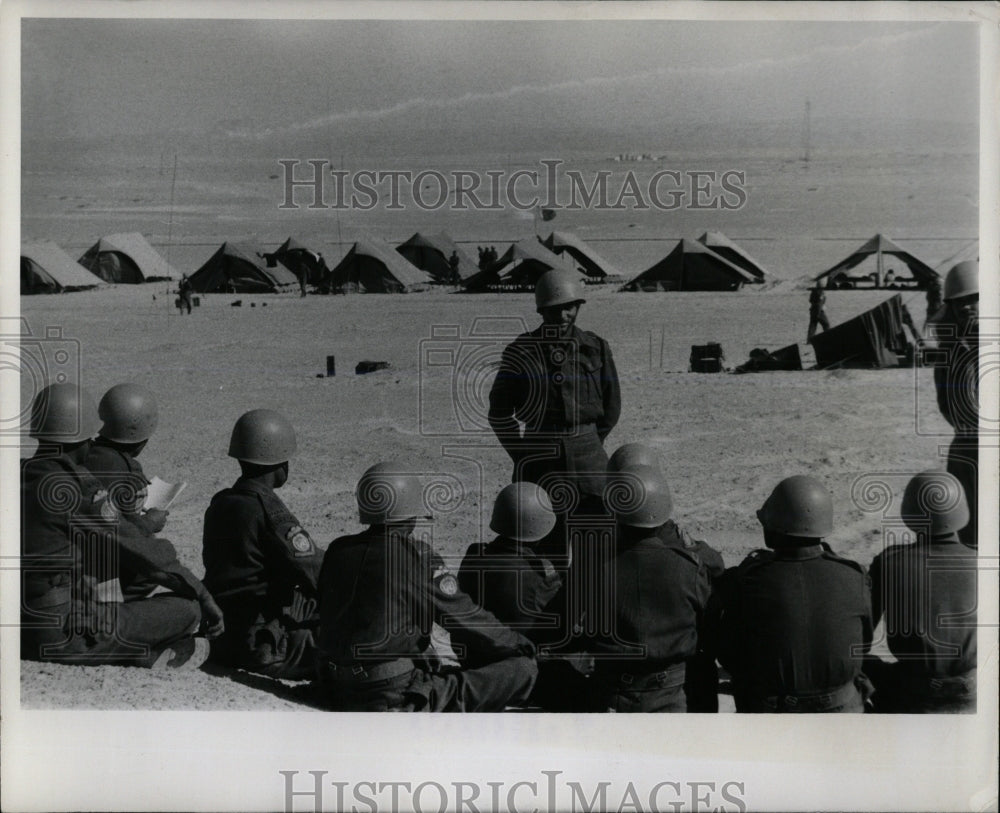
column 712, row 262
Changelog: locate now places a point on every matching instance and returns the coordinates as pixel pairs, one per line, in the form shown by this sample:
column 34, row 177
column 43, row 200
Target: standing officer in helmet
column 791, row 623
column 926, row 591
column 957, row 382
column 260, row 563
column 560, row 382
column 129, row 416
column 382, row 590
column 68, row 523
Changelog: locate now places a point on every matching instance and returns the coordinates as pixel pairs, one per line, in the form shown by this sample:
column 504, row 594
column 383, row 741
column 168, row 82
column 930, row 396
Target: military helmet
column 129, row 413
column 63, row 413
column 629, row 455
column 523, row 512
column 557, row 287
column 639, row 497
column 263, row 437
column 935, row 501
column 387, row 493
column 798, row 506
column 962, row 280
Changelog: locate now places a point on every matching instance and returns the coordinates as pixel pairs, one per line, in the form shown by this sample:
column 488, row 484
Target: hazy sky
column 260, row 79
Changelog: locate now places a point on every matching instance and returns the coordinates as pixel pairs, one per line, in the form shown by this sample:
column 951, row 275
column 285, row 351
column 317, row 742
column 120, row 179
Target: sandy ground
column 724, row 439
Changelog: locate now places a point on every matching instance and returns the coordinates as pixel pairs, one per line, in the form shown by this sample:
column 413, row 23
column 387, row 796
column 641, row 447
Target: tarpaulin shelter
column 47, row 269
column 127, row 258
column 691, row 266
column 597, row 269
column 299, row 259
column 728, row 250
column 876, row 338
column 871, row 266
column 374, row 267
column 432, row 253
column 519, row 268
column 238, row 268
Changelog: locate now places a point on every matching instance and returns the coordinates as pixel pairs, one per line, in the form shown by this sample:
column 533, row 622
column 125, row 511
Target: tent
column 127, row 258
column 518, row 269
column 47, row 269
column 970, row 251
column 299, row 259
column 728, row 250
column 691, row 266
column 876, row 338
column 871, row 267
column 589, row 261
column 237, row 268
column 373, row 267
column 431, row 253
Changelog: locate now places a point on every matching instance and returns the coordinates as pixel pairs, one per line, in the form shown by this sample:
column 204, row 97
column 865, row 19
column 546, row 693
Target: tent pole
column 878, row 269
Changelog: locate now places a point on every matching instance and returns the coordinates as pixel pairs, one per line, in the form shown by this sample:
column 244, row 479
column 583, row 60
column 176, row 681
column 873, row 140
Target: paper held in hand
column 161, row 494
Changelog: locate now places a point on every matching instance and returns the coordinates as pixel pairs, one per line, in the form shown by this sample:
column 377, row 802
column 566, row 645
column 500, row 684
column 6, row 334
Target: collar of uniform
column 798, row 552
column 252, row 487
column 575, row 335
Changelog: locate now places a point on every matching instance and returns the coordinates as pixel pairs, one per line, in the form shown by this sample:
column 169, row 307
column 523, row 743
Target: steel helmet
column 63, row 413
column 962, row 280
column 129, row 413
column 639, row 497
column 387, row 493
column 630, row 455
column 557, row 287
column 798, row 506
column 935, row 501
column 263, row 437
column 523, row 512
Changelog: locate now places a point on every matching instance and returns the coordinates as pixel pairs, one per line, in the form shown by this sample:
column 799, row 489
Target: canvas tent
column 299, row 259
column 432, row 252
column 237, row 268
column 970, row 251
column 728, row 250
column 691, row 266
column 876, row 338
column 374, row 267
column 47, row 269
column 597, row 269
column 879, row 263
column 518, row 269
column 127, row 258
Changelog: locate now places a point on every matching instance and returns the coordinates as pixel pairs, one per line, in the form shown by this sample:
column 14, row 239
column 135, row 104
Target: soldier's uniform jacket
column 122, row 476
column 67, row 522
column 927, row 593
column 817, row 299
column 657, row 593
column 792, row 622
column 380, row 594
column 673, row 536
column 510, row 580
column 256, row 554
column 957, row 381
column 566, row 392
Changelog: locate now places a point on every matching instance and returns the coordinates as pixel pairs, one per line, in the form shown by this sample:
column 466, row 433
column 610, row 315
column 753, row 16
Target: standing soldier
column 790, row 624
column 653, row 594
column 453, row 262
column 927, row 593
column 185, row 291
column 260, row 564
column 561, row 383
column 957, row 383
column 817, row 312
column 934, row 300
column 68, row 523
column 382, row 590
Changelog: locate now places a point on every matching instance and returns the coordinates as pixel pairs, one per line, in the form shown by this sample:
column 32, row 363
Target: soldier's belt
column 813, row 701
column 365, row 673
column 941, row 688
column 559, row 429
column 667, row 678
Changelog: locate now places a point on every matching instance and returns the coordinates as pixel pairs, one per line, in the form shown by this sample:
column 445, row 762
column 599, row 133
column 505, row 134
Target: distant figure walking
column 185, row 290
column 817, row 313
column 453, row 261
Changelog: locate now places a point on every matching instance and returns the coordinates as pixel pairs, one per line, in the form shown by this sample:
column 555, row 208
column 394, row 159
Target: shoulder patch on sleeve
column 302, row 544
column 447, row 584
